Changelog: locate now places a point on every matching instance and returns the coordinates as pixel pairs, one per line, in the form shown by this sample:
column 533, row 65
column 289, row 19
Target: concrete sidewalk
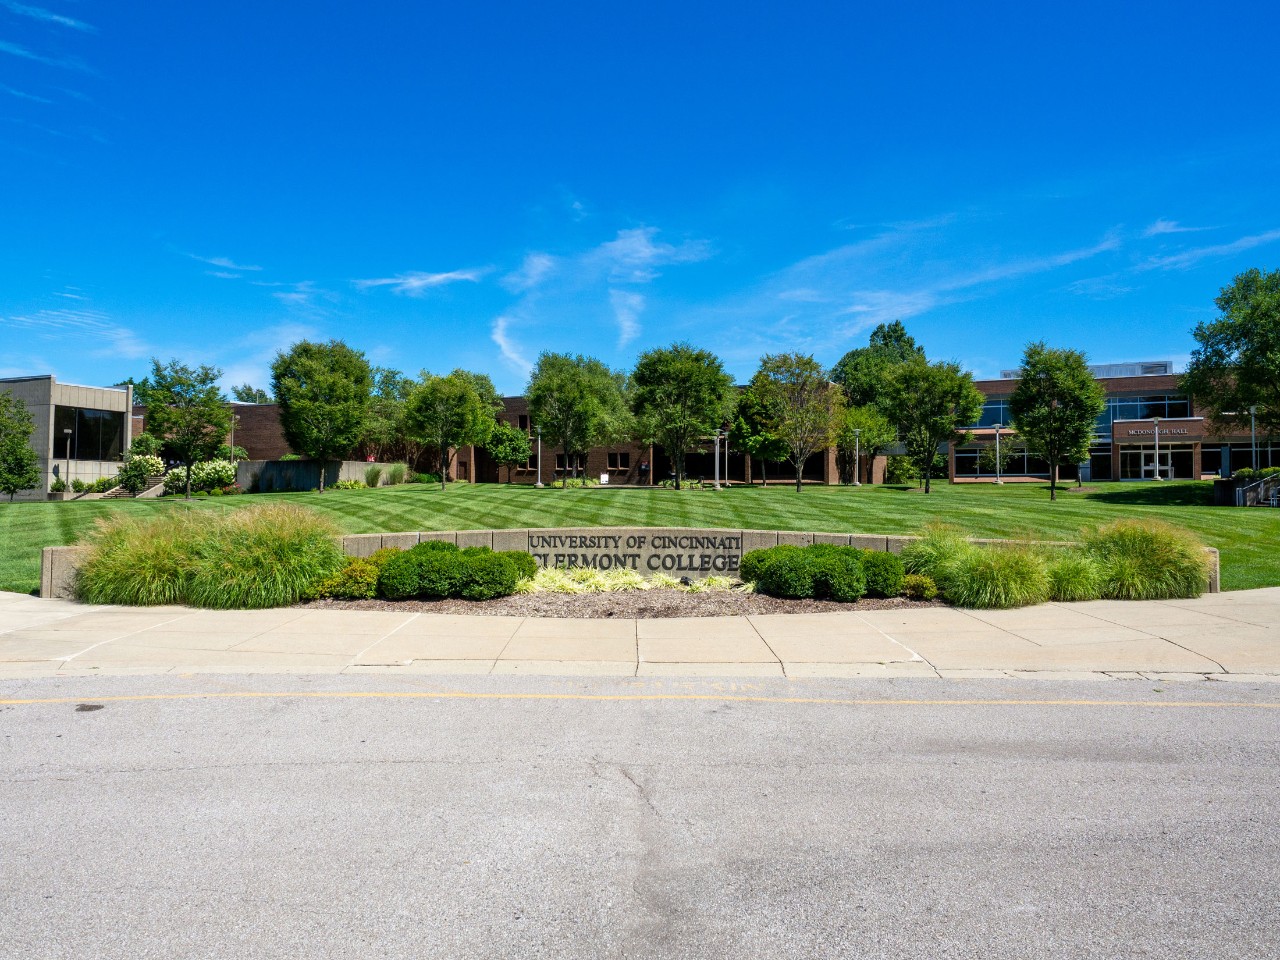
column 1226, row 636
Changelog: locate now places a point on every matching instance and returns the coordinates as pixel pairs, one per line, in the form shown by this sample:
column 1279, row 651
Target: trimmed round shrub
column 917, row 586
column 526, row 566
column 995, row 578
column 788, row 574
column 884, row 573
column 1074, row 575
column 754, row 561
column 1148, row 560
column 838, row 575
column 213, row 473
column 265, row 556
column 485, row 575
column 358, row 580
column 427, row 546
column 398, row 576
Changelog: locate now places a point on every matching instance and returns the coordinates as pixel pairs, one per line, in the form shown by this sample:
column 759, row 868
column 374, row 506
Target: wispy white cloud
column 106, row 338
column 23, row 95
column 511, row 352
column 1162, row 227
column 1187, row 258
column 417, row 283
column 627, row 306
column 69, row 63
column 47, row 16
column 535, row 268
column 224, row 274
column 634, row 256
column 251, row 357
column 226, row 263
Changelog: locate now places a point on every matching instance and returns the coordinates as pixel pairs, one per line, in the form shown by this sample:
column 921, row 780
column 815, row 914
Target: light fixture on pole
column 66, row 432
column 998, row 427
column 1253, row 434
column 716, row 457
column 1156, row 434
column 857, row 458
column 539, row 483
column 725, row 433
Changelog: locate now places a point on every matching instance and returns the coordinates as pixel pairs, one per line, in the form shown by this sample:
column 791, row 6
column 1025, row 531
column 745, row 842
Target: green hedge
column 435, row 570
column 820, row 572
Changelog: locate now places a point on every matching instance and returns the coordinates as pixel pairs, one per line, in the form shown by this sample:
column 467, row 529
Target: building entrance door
column 1150, row 469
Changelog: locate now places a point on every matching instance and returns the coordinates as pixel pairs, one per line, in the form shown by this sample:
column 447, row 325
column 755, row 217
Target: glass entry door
column 1150, row 468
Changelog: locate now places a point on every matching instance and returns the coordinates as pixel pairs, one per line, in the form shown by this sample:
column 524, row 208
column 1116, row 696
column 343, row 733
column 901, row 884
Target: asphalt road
column 552, row 818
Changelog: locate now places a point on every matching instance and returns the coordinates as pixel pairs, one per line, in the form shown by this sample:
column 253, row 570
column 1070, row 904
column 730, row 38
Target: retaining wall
column 678, row 551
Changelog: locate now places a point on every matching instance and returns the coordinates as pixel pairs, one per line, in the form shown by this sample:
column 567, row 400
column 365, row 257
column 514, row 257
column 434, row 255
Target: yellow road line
column 626, row 697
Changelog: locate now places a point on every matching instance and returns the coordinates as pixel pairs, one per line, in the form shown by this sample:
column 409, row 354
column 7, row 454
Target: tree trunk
column 679, row 464
column 1053, row 482
column 764, row 474
column 928, row 472
column 564, row 477
column 444, row 466
column 799, row 475
column 322, row 463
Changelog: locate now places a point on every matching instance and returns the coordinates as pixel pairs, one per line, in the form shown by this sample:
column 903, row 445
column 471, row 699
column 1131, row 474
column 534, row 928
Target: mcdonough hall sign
column 1145, row 428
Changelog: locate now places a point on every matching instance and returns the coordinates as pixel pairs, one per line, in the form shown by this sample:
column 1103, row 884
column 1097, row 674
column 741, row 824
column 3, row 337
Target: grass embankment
column 1248, row 538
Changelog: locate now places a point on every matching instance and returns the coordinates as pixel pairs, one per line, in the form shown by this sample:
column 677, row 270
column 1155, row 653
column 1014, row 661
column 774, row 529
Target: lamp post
column 716, row 457
column 998, row 427
column 66, row 432
column 1156, row 434
column 857, row 457
column 539, row 483
column 725, row 433
column 1253, row 434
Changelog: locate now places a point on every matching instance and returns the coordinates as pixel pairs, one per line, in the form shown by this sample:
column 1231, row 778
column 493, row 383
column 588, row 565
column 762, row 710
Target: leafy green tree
column 145, row 445
column 509, row 446
column 323, row 391
column 863, row 373
column 19, row 464
column 930, row 404
column 187, row 412
column 1010, row 447
column 450, row 412
column 805, row 408
column 578, row 402
column 141, row 391
column 874, row 433
column 679, row 395
column 247, row 394
column 1055, row 407
column 749, row 427
column 1237, row 363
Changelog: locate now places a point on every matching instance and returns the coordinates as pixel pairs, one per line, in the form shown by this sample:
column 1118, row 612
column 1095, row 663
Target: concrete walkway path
column 1226, row 636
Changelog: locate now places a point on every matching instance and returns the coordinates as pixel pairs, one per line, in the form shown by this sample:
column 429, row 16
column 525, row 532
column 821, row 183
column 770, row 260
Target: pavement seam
column 494, row 666
column 132, row 633
column 916, row 657
column 767, row 646
column 1153, row 636
column 387, row 636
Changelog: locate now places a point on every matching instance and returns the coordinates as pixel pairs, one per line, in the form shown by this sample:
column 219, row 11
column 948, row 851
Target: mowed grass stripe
column 1247, row 537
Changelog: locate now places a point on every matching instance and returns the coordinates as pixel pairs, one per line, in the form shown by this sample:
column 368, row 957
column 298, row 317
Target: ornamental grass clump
column 995, row 578
column 266, row 556
column 1148, row 560
column 135, row 561
column 1074, row 575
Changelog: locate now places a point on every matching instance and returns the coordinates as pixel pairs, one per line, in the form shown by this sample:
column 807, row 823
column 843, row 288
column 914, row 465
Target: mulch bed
column 625, row 604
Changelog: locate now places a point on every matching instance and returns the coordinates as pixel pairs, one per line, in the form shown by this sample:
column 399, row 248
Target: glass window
column 524, row 422
column 94, row 434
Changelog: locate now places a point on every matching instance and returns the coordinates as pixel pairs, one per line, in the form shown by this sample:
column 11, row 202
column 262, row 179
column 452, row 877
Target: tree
column 875, row 432
column 323, row 392
column 141, row 391
column 1010, row 447
column 930, row 403
column 749, row 427
column 578, row 402
column 19, row 465
column 805, row 408
column 188, row 412
column 509, row 446
column 1055, row 407
column 451, row 412
column 863, row 373
column 1237, row 363
column 247, row 394
column 679, row 395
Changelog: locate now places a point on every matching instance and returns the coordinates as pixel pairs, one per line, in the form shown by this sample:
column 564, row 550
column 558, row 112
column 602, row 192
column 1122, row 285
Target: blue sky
column 466, row 185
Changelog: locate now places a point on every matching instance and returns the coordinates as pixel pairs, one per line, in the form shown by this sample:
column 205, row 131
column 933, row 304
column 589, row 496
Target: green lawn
column 1248, row 538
